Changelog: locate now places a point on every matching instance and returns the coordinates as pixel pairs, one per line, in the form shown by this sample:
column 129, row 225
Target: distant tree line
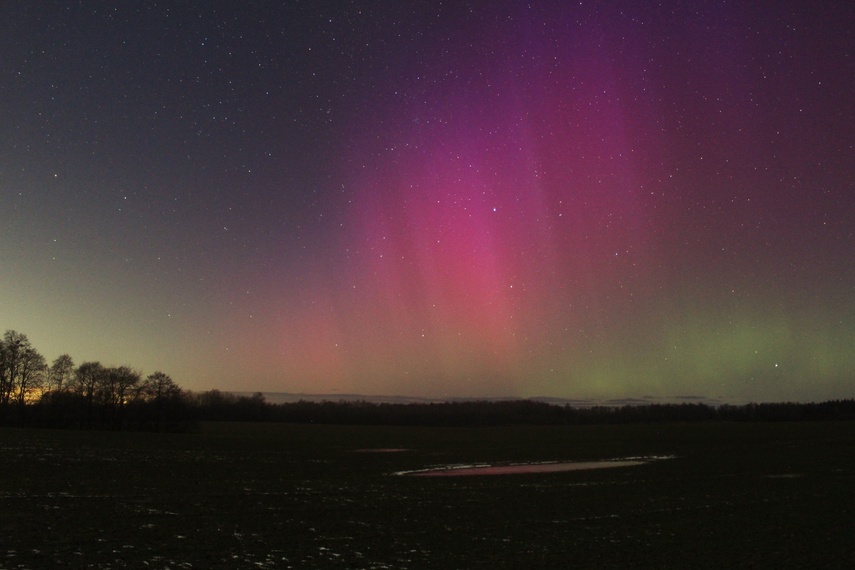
column 95, row 396
column 213, row 406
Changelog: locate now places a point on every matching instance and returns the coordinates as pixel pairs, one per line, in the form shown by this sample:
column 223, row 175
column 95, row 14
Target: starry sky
column 436, row 199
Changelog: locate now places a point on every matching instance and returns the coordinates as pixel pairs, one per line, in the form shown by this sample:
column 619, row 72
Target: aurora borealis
column 483, row 199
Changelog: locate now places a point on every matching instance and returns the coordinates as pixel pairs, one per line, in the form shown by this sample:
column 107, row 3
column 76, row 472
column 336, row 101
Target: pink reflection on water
column 467, row 470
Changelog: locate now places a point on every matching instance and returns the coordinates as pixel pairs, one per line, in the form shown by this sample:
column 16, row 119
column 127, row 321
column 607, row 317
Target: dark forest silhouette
column 90, row 395
column 505, row 412
column 94, row 396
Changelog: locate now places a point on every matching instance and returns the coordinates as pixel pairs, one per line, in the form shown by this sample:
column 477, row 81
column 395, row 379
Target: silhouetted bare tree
column 159, row 386
column 32, row 374
column 12, row 348
column 117, row 387
column 163, row 398
column 61, row 373
column 87, row 379
column 22, row 372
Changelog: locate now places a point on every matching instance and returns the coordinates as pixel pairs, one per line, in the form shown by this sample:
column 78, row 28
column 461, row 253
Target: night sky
column 440, row 199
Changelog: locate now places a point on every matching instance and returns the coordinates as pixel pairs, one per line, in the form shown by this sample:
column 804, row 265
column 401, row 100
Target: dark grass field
column 308, row 496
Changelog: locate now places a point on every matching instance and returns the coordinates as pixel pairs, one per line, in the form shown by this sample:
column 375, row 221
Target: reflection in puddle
column 518, row 468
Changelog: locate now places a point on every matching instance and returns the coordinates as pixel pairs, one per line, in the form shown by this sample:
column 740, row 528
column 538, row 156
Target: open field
column 309, row 496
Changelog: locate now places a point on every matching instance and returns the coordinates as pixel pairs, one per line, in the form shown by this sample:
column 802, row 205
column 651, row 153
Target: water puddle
column 519, row 468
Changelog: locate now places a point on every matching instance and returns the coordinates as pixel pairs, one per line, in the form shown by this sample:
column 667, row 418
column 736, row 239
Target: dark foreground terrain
column 749, row 495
